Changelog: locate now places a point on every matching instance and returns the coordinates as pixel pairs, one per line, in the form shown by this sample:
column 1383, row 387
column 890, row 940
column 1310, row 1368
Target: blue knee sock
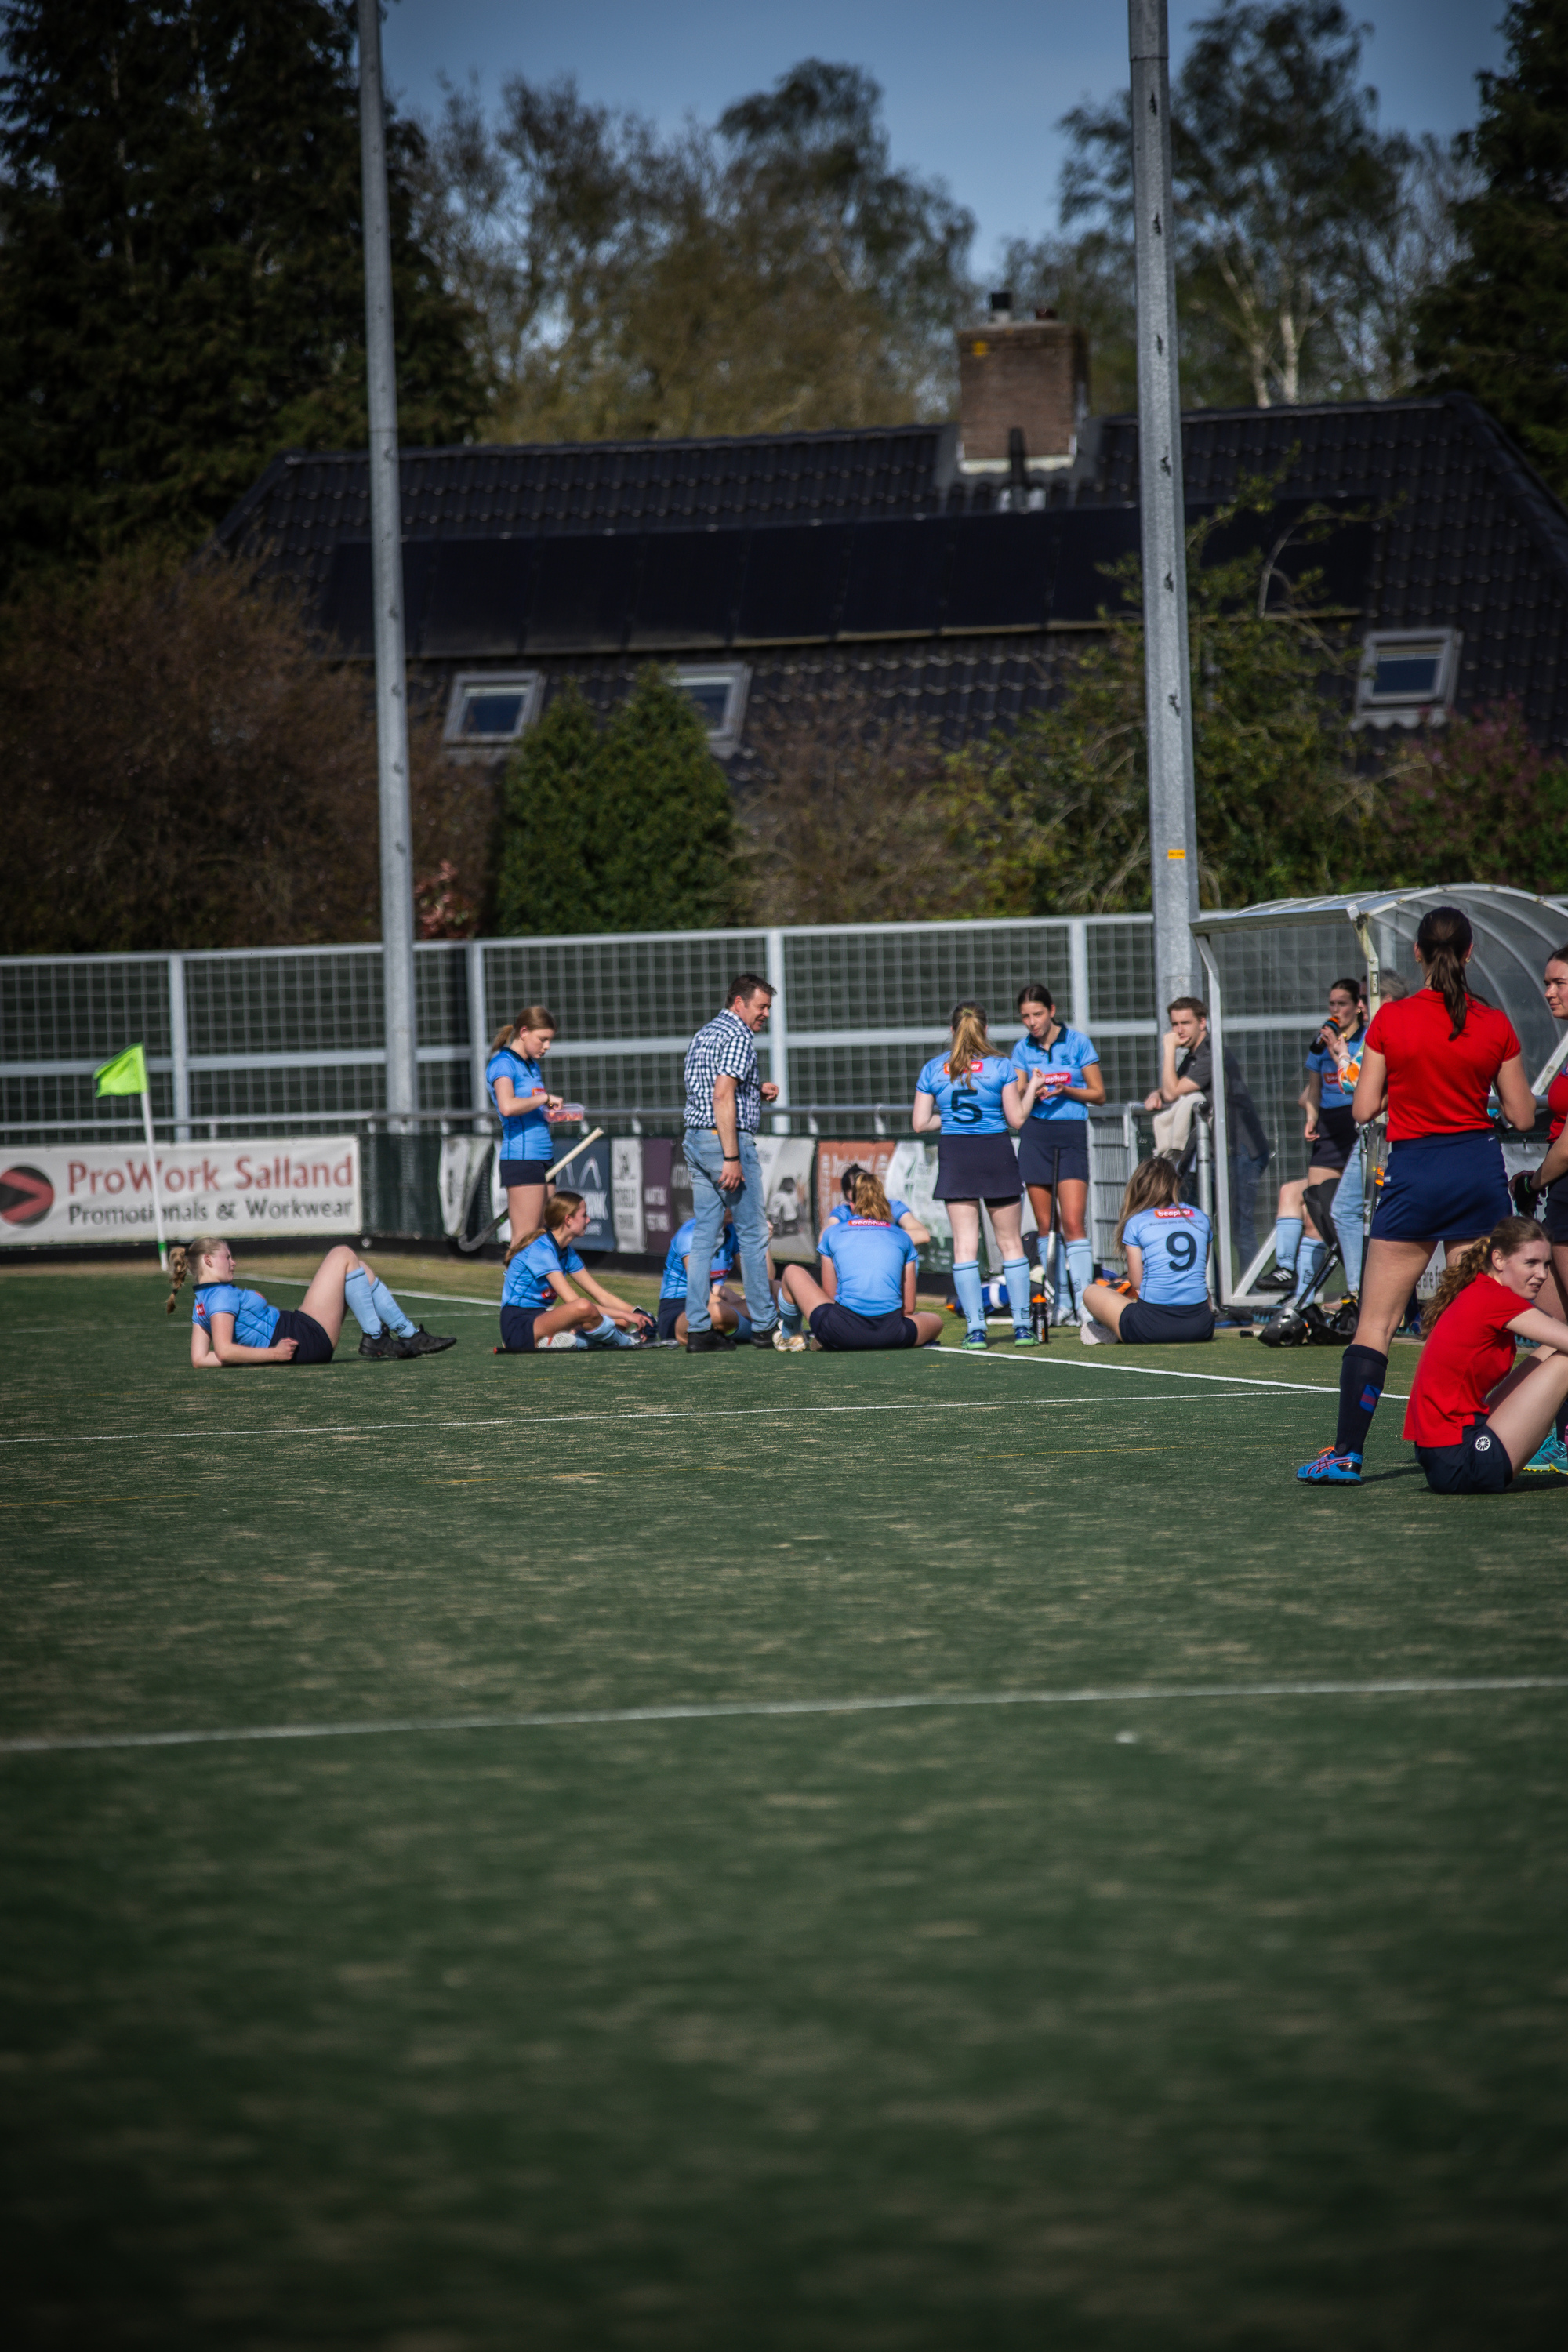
column 388, row 1308
column 789, row 1313
column 1081, row 1265
column 605, row 1334
column 360, row 1292
column 1309, row 1265
column 966, row 1285
column 1015, row 1275
column 1287, row 1241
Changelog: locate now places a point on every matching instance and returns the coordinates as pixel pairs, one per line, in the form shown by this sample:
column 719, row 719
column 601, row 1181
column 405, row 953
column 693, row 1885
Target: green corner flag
column 126, row 1075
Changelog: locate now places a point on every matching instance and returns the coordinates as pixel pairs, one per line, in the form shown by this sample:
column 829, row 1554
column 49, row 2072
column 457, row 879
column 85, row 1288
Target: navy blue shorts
column 1556, row 1220
column 517, row 1329
column 1144, row 1325
column 977, row 1168
column 1478, row 1464
column 521, row 1171
column 1335, row 1139
column 314, row 1347
column 1041, row 1142
column 1442, row 1188
column 840, row 1327
column 670, row 1312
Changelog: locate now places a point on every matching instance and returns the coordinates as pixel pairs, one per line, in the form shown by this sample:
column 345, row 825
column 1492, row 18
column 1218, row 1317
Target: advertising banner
column 626, row 1190
column 834, row 1157
column 103, row 1192
column 786, row 1196
column 590, row 1175
column 658, row 1216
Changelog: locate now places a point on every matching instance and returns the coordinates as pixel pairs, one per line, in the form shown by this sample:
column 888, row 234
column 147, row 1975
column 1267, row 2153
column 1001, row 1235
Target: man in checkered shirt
column 724, row 1098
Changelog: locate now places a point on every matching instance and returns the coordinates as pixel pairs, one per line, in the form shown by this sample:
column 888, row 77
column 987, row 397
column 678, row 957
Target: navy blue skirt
column 840, row 1327
column 1442, row 1188
column 1058, row 1143
column 977, row 1168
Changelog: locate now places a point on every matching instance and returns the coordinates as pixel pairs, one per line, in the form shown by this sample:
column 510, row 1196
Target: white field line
column 509, row 1421
column 1135, row 1695
column 446, row 1297
column 1148, row 1371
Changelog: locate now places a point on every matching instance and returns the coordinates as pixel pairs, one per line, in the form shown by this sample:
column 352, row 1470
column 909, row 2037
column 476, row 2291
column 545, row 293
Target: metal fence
column 284, row 1041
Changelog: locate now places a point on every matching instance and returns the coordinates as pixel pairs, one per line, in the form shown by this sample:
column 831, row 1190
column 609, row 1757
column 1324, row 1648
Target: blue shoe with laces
column 1331, row 1469
column 1549, row 1454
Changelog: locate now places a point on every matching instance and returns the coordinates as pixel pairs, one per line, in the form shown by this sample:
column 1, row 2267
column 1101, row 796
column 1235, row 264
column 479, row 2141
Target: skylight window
column 1407, row 676
column 718, row 693
column 491, row 710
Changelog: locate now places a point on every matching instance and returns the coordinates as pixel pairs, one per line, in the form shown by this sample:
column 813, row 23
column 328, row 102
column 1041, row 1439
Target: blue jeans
column 705, row 1158
column 1347, row 1209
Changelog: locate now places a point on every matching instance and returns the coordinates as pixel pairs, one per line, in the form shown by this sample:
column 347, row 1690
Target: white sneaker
column 789, row 1343
column 1095, row 1335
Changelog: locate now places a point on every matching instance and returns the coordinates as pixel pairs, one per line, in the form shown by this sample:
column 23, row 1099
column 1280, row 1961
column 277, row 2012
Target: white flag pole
column 152, row 1173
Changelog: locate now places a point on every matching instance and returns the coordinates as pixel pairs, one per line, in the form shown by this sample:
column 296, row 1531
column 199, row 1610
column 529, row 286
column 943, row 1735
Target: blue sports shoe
column 1549, row 1454
column 1331, row 1469
column 975, row 1340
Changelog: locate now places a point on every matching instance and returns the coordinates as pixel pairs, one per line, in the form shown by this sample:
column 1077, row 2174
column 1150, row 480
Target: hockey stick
column 468, row 1247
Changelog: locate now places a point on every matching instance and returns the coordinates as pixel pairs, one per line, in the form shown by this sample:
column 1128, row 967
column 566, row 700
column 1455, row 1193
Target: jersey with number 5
column 1174, row 1242
column 970, row 1105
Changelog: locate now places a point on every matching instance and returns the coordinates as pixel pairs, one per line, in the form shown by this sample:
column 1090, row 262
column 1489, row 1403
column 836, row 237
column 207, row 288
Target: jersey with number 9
column 1174, row 1242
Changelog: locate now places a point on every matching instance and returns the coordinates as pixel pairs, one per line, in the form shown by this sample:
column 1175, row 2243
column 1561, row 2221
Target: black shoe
column 385, row 1346
column 764, row 1338
column 709, row 1343
column 420, row 1342
column 1278, row 1277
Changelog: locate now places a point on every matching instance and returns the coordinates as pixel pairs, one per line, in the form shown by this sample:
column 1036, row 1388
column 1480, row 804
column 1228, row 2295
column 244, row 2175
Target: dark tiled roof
column 615, row 548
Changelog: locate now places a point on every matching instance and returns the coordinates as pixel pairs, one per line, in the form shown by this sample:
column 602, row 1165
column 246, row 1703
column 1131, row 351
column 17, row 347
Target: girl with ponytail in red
column 1434, row 1058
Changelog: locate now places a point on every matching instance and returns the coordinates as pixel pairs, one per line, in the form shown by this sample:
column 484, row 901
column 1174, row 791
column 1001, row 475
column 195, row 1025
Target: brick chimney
column 1016, row 375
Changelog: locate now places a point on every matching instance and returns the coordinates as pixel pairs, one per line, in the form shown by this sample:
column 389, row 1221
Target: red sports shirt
column 1469, row 1351
column 1438, row 1084
column 1557, row 1104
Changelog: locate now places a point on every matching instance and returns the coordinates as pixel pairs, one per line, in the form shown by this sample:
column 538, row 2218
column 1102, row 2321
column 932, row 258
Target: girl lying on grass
column 232, row 1325
column 538, row 1302
column 1473, row 1422
column 1166, row 1243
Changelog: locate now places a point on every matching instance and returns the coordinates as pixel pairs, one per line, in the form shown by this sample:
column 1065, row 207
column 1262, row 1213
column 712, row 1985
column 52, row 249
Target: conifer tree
column 627, row 830
column 181, row 267
column 1497, row 325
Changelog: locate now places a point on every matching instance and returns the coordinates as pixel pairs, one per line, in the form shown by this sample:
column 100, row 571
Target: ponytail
column 969, row 1041
column 870, row 1200
column 1474, row 1260
column 533, row 1016
column 185, row 1258
column 1443, row 941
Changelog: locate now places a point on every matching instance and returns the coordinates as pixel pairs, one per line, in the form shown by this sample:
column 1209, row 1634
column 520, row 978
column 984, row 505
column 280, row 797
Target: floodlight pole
column 1173, row 816
column 387, row 587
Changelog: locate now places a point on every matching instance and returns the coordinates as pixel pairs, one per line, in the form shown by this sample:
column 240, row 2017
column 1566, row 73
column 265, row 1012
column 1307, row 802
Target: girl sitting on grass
column 1166, row 1243
column 866, row 1295
column 232, row 1325
column 538, row 1302
column 1473, row 1422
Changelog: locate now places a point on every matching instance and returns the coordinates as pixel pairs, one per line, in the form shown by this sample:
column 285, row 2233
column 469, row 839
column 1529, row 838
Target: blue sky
column 974, row 89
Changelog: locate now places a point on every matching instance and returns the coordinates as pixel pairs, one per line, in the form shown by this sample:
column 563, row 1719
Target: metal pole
column 387, row 587
column 179, row 1049
column 1172, row 818
column 778, row 1030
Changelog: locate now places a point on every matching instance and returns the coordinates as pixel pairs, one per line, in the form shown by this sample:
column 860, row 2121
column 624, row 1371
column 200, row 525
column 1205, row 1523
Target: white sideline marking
column 509, row 1421
column 1151, row 1372
column 1136, row 1695
column 447, row 1297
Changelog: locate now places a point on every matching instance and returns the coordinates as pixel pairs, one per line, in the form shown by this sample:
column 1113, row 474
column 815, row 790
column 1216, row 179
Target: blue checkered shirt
column 725, row 1044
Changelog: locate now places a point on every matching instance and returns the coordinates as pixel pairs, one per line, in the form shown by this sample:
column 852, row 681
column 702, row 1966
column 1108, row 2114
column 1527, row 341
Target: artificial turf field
column 1146, row 2019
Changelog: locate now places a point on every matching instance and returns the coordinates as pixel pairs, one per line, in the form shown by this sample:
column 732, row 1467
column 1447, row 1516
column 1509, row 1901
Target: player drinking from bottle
column 1054, row 1140
column 974, row 1096
column 514, row 1080
column 1166, row 1243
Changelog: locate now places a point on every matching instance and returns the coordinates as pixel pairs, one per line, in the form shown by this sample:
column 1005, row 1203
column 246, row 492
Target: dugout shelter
column 1281, row 952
